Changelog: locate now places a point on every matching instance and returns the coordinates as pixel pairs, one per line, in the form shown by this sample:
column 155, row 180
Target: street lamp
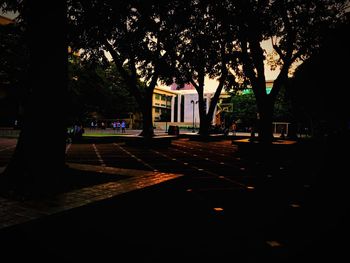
column 193, row 103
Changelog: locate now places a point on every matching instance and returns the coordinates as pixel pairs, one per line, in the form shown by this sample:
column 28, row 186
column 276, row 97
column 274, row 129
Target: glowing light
column 218, row 209
column 274, row 243
column 295, row 205
column 250, row 187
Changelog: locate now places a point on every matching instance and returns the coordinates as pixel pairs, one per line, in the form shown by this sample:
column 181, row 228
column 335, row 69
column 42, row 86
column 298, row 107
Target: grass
column 103, row 134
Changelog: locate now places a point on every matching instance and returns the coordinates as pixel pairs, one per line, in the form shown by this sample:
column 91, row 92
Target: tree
column 320, row 85
column 245, row 108
column 205, row 48
column 295, row 29
column 96, row 88
column 13, row 68
column 39, row 156
column 135, row 34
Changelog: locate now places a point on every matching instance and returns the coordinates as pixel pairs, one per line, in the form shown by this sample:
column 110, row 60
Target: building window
column 157, row 96
column 157, row 110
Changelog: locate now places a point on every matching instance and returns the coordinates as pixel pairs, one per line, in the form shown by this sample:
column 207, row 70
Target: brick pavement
column 284, row 215
column 16, row 212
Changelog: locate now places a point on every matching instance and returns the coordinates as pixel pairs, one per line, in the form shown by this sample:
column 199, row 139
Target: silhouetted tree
column 135, row 34
column 13, row 68
column 205, row 48
column 321, row 85
column 96, row 88
column 294, row 28
column 39, row 157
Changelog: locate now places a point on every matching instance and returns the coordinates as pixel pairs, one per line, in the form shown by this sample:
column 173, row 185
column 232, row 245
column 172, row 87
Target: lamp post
column 193, row 103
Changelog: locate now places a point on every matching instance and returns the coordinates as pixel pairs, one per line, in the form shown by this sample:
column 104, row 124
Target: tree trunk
column 204, row 125
column 39, row 157
column 147, row 120
column 203, row 119
column 264, row 120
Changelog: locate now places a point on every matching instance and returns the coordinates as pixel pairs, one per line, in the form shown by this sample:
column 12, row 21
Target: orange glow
column 250, row 187
column 274, row 243
column 218, row 209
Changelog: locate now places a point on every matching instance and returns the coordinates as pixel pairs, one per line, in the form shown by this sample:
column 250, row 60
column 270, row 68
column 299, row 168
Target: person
column 118, row 126
column 123, row 126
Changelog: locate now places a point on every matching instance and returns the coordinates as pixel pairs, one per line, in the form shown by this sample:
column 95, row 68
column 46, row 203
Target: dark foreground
column 227, row 207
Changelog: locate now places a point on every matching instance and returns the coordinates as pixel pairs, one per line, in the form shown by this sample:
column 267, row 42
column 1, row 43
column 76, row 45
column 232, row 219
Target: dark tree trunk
column 39, row 157
column 264, row 120
column 204, row 125
column 147, row 122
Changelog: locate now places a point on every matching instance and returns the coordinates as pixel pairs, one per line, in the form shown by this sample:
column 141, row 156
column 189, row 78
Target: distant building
column 187, row 86
column 174, row 107
column 162, row 104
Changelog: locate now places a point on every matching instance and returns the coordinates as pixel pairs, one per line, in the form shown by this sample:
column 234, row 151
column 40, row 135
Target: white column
column 179, row 97
column 172, row 108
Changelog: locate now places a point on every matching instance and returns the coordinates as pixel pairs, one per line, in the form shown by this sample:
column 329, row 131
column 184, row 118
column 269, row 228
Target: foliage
column 96, row 89
column 13, row 71
column 245, row 108
column 295, row 29
column 136, row 34
column 321, row 84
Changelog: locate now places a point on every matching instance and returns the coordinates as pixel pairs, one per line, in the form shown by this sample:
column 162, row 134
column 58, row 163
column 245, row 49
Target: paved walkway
column 224, row 209
column 17, row 212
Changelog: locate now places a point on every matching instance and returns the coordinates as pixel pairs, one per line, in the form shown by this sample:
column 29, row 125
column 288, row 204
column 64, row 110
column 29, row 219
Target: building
column 162, row 104
column 180, row 107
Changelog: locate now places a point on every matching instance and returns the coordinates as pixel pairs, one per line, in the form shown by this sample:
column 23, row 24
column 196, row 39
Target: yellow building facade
column 162, row 104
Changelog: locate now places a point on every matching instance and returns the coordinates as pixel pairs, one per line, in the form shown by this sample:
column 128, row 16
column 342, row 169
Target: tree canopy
column 97, row 89
column 321, row 85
